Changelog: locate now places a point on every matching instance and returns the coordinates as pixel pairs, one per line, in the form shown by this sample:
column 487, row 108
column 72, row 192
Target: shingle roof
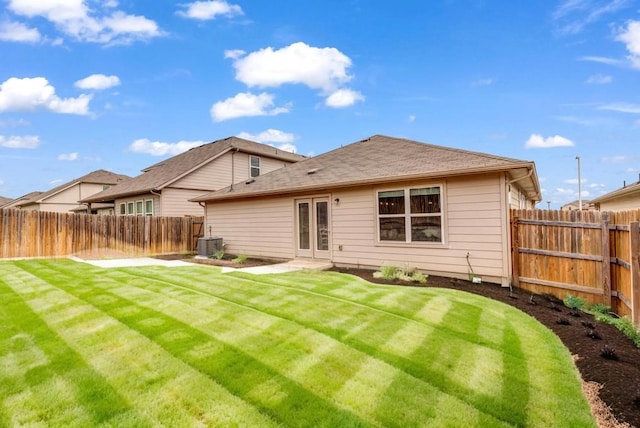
column 630, row 189
column 163, row 173
column 99, row 176
column 4, row 200
column 18, row 201
column 378, row 159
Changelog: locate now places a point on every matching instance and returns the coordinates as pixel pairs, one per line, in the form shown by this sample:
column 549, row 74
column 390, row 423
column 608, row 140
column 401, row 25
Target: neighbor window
column 148, row 207
column 410, row 215
column 139, row 208
column 123, row 209
column 130, row 208
column 254, row 166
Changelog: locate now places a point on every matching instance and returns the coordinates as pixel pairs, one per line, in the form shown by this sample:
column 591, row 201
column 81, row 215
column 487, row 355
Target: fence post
column 515, row 255
column 606, row 260
column 634, row 241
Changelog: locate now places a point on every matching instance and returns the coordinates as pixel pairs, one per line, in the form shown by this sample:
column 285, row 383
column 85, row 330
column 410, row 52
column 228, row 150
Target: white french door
column 313, row 238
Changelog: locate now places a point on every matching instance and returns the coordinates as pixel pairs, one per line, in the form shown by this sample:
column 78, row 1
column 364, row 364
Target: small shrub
column 574, row 302
column 241, row 259
column 594, row 334
column 386, row 272
column 563, row 321
column 419, row 277
column 407, row 274
column 609, row 353
column 600, row 308
column 532, row 300
column 218, row 255
column 625, row 325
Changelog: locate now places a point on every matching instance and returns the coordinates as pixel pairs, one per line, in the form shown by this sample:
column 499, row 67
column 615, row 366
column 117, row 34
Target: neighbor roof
column 162, row 174
column 100, row 176
column 4, row 200
column 18, row 201
column 624, row 191
column 379, row 159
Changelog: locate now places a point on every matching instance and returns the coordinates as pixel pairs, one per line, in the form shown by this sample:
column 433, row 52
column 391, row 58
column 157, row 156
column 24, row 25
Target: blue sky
column 119, row 85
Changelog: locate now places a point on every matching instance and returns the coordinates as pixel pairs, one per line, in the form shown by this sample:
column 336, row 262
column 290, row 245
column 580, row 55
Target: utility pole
column 579, row 185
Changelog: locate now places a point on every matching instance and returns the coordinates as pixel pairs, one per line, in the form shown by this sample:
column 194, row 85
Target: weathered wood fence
column 48, row 234
column 593, row 255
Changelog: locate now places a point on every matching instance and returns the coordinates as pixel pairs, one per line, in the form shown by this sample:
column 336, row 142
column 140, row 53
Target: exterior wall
column 217, row 173
column 629, row 202
column 67, row 199
column 474, row 217
column 255, row 227
column 175, row 203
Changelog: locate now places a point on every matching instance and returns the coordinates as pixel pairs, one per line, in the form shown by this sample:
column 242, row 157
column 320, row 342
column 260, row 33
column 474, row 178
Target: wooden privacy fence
column 48, row 234
column 593, row 255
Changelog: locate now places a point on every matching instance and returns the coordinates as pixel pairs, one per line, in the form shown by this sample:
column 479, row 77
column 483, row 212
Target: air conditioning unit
column 207, row 246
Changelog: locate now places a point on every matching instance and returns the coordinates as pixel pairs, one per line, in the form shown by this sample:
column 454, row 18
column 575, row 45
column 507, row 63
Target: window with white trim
column 148, row 207
column 123, row 209
column 139, row 208
column 130, row 208
column 410, row 215
column 254, row 166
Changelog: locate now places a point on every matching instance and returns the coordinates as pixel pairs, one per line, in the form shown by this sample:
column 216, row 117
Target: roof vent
column 249, row 181
column 313, row 171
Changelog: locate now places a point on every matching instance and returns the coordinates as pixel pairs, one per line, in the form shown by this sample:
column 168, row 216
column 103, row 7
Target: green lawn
column 85, row 346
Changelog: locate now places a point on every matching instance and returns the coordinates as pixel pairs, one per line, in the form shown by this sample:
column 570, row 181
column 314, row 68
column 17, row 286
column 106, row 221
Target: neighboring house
column 22, row 199
column 166, row 187
column 575, row 206
column 382, row 201
column 626, row 198
column 66, row 197
column 4, row 201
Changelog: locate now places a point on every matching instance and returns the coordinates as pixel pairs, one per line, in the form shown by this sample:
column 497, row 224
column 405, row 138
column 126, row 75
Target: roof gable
column 626, row 191
column 163, row 173
column 375, row 160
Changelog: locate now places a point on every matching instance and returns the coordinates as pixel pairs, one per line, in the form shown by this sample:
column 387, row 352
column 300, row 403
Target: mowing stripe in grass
column 157, row 385
column 538, row 373
column 282, row 344
column 373, row 337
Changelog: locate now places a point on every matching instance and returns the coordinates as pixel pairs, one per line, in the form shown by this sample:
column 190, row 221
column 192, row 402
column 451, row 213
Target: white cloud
column 20, row 142
column 630, row 36
column 601, row 60
column 18, row 32
column 29, row 94
column 537, row 141
column 97, row 82
column 621, row 107
column 233, row 53
column 98, row 24
column 283, row 139
column 599, row 79
column 246, row 104
column 411, row 118
column 317, row 68
column 575, row 181
column 343, row 98
column 68, row 156
column 158, row 148
column 484, row 82
column 617, row 159
column 207, row 10
column 56, row 181
column 572, row 16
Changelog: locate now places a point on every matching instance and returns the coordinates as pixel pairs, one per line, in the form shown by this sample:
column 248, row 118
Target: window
column 123, row 209
column 139, row 208
column 148, row 207
column 130, row 207
column 254, row 166
column 410, row 215
column 105, row 186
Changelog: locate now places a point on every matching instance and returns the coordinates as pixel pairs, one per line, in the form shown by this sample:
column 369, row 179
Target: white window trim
column 141, row 202
column 123, row 207
column 407, row 217
column 131, row 205
column 145, row 207
column 251, row 167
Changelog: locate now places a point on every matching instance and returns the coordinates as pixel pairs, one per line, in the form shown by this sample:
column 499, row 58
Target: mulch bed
column 620, row 379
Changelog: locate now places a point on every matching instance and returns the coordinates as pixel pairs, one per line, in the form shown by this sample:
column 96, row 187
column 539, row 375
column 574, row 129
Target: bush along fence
column 48, row 234
column 589, row 254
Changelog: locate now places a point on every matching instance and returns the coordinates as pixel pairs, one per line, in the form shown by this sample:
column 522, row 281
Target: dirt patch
column 618, row 380
column 226, row 261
